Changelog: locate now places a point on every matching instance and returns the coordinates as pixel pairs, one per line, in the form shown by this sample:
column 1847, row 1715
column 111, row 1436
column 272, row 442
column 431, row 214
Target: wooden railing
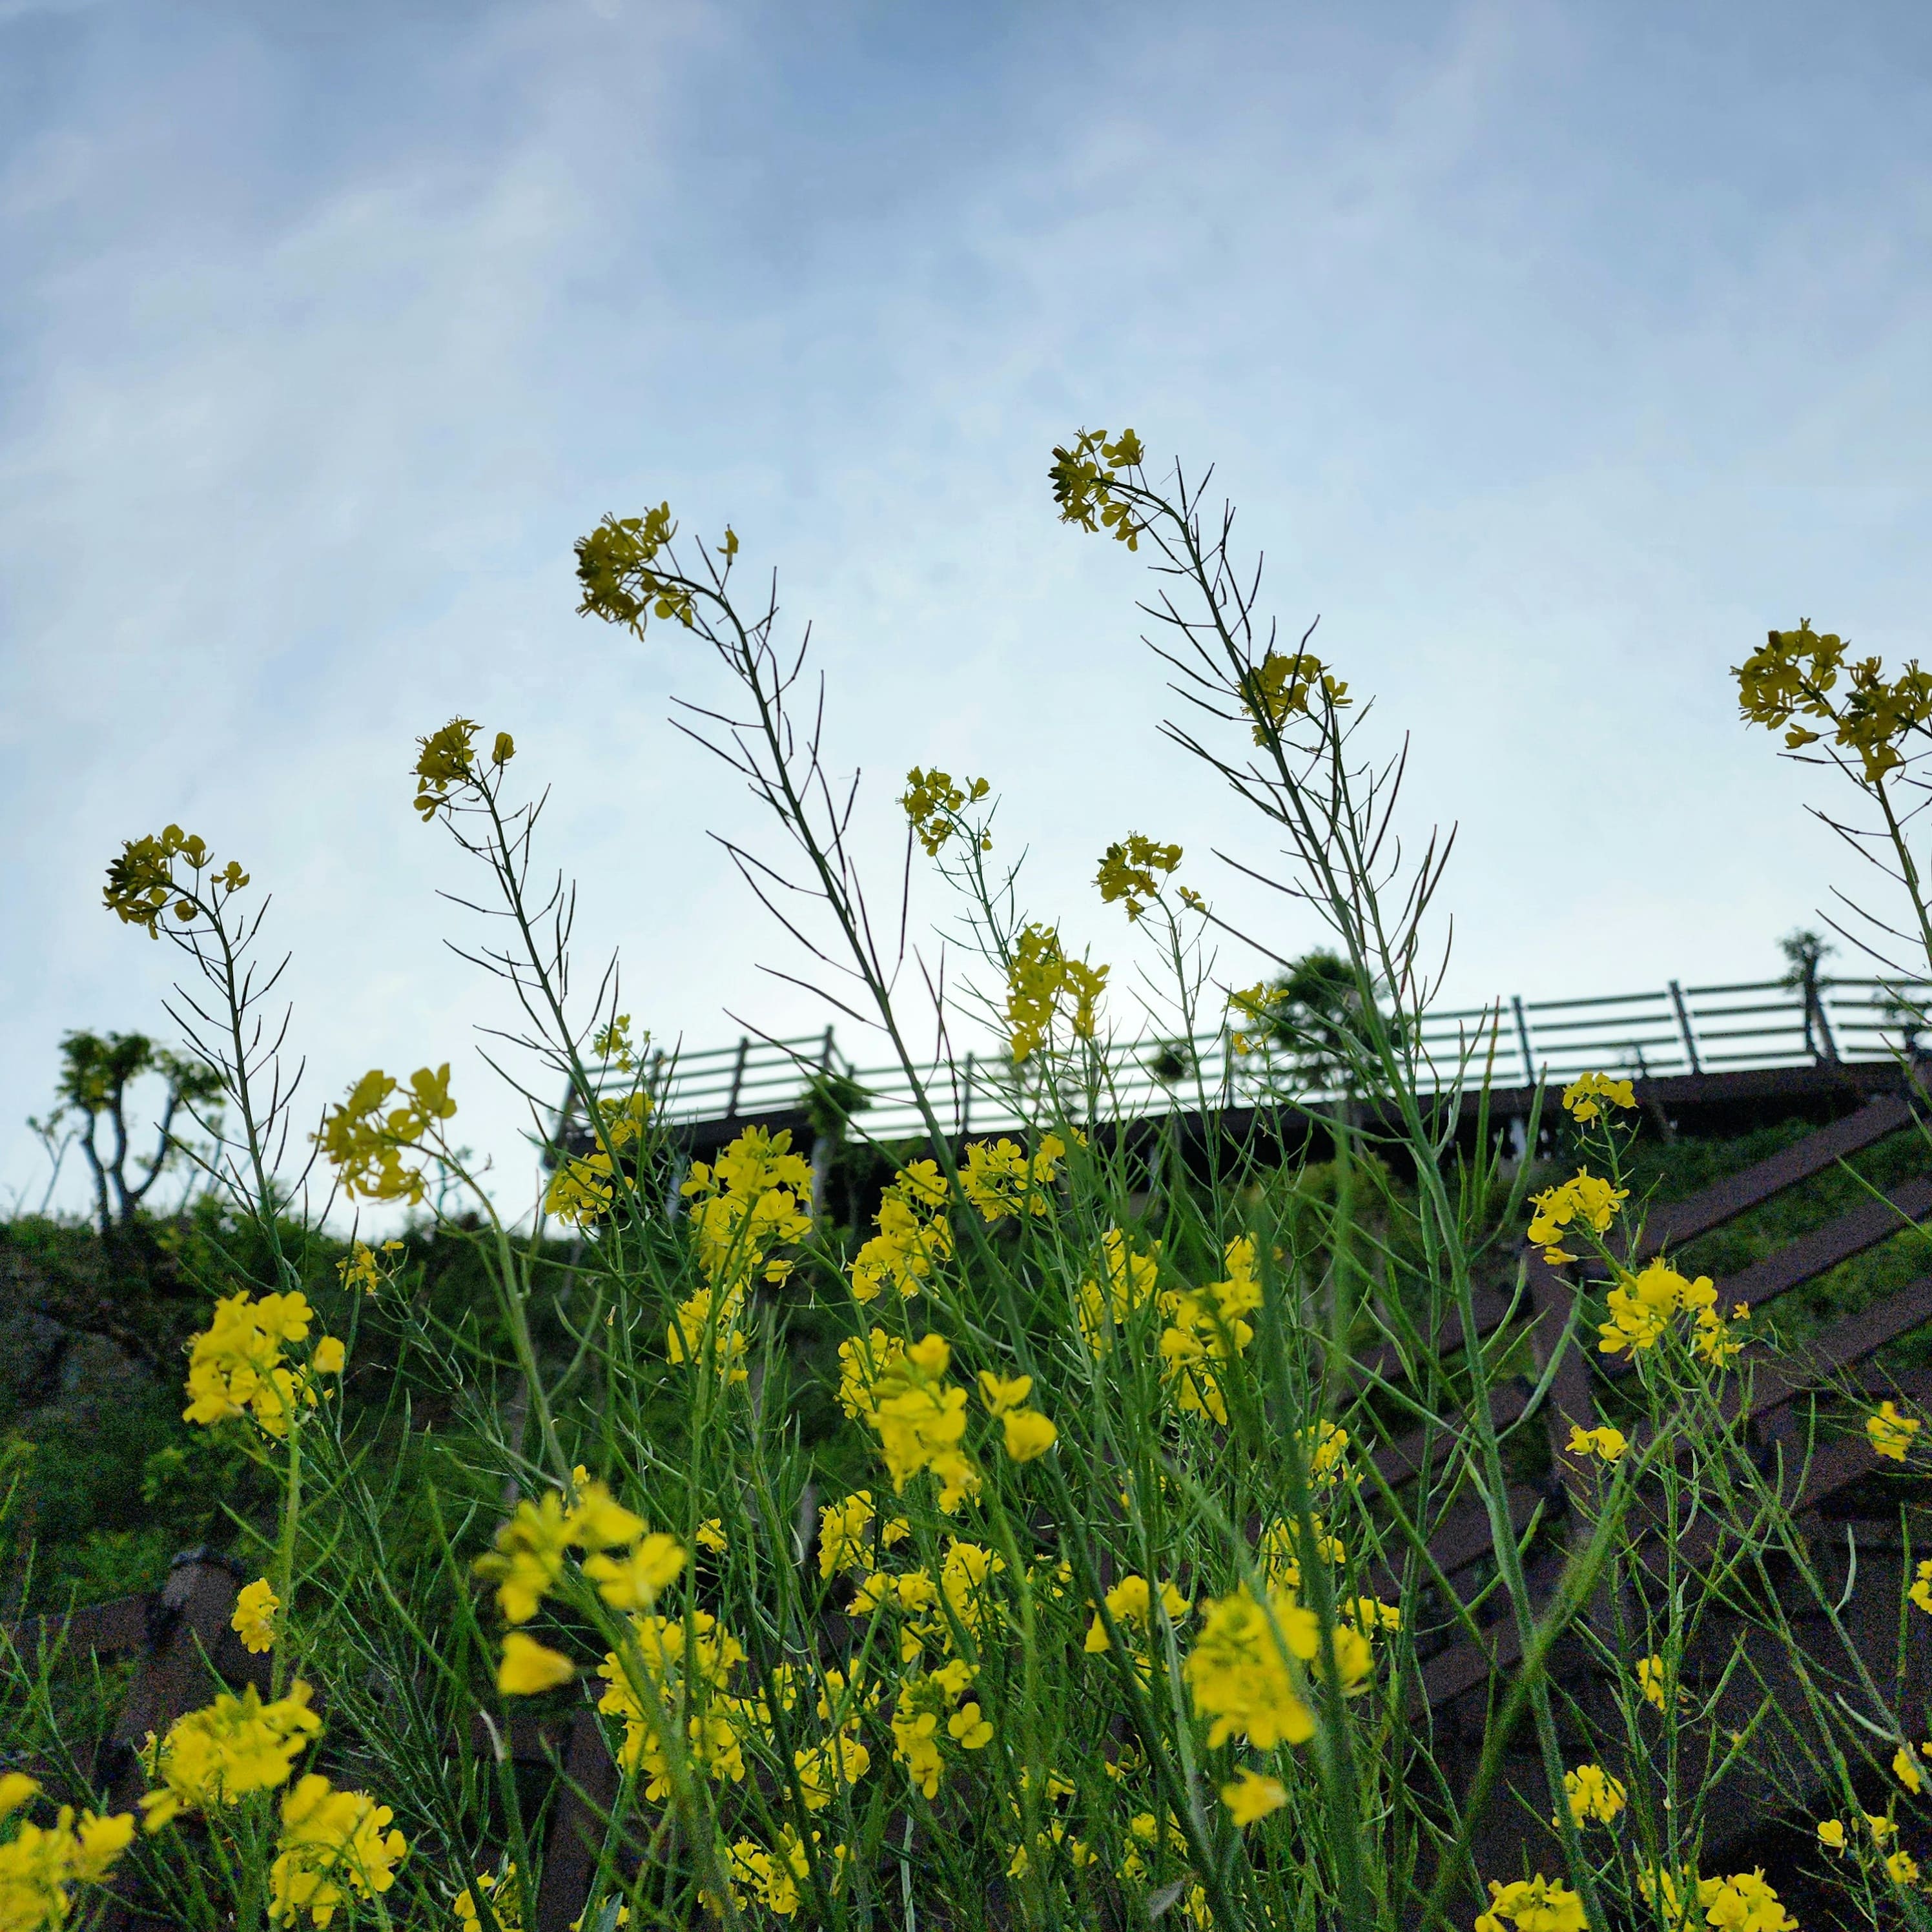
column 1512, row 1042
column 1844, row 1351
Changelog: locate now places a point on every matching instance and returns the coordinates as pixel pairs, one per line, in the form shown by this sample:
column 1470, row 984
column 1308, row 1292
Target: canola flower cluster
column 581, row 1190
column 495, row 1894
column 932, row 804
column 1585, row 1097
column 913, row 1236
column 742, row 1209
column 1890, row 1433
column 332, row 1843
column 1103, row 1308
column 1867, row 1840
column 1744, row 1902
column 1584, row 1200
column 363, row 1267
column 145, row 879
column 41, row 1864
column 1044, row 988
column 617, row 569
column 1086, row 477
column 933, row 1619
column 1643, row 1306
column 1252, row 1669
column 1282, row 686
column 1260, row 1010
column 1000, row 1178
column 1794, row 676
column 1132, row 870
column 630, row 1564
column 365, row 1139
column 256, row 1607
column 446, row 765
column 899, row 1391
column 1207, row 1325
column 237, row 1365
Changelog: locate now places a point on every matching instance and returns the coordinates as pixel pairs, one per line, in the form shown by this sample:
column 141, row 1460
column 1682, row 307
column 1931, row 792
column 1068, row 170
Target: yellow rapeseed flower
column 529, row 1668
column 1643, row 1306
column 1282, row 686
column 1127, row 870
column 1001, row 1393
column 1002, row 1178
column 919, row 1419
column 1028, row 1434
column 1595, row 1797
column 1238, row 1673
column 1607, row 1444
column 843, row 1527
column 500, row 1892
column 1794, row 675
column 1532, row 1905
column 636, row 1578
column 968, row 1729
column 1582, row 1198
column 1650, row 1679
column 1130, row 1602
column 219, row 1754
column 695, row 1666
column 1044, row 987
column 932, row 803
column 236, row 1366
column 1252, row 1796
column 1585, row 1097
column 1129, row 1281
column 254, row 1619
column 1921, row 1591
column 40, row 1864
column 332, row 1843
column 1743, row 1902
column 365, row 1139
column 1890, row 1433
column 1832, row 1833
column 144, row 878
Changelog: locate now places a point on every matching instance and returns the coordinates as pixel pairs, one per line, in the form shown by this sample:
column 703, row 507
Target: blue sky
column 1552, row 351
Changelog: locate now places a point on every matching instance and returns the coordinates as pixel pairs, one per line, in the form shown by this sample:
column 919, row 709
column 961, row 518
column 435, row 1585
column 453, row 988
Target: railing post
column 1523, row 1040
column 737, row 1077
column 587, row 1789
column 825, row 1053
column 1814, row 996
column 189, row 1640
column 1684, row 1028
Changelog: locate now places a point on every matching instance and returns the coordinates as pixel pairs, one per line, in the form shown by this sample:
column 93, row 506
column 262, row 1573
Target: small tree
column 1804, row 952
column 96, row 1073
column 1308, row 1026
column 830, row 1099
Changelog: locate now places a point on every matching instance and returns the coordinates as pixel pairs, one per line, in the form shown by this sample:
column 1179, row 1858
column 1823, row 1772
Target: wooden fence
column 1513, row 1042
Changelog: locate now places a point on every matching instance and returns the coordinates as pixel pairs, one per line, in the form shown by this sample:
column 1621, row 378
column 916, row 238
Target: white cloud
column 1547, row 416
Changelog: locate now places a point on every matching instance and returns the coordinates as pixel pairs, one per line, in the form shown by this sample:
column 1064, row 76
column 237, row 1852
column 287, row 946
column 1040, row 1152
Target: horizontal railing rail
column 1511, row 1043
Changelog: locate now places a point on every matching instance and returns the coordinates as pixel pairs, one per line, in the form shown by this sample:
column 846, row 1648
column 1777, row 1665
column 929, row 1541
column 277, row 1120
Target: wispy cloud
column 1551, row 358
